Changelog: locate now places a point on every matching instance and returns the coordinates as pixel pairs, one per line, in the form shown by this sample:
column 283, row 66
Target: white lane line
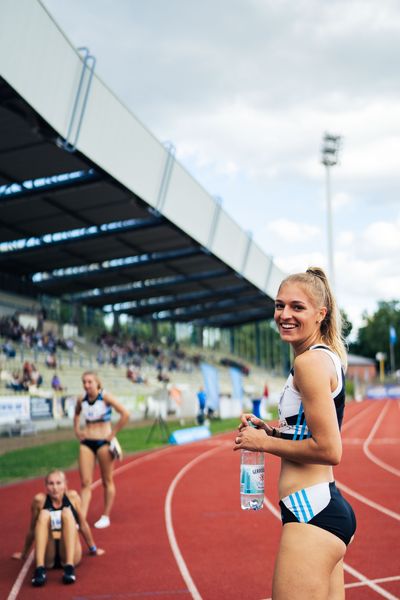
column 369, row 439
column 21, row 576
column 351, row 492
column 365, row 581
column 379, row 580
column 360, row 414
column 368, row 502
column 272, row 508
column 357, row 584
column 377, row 441
column 170, row 528
column 368, row 582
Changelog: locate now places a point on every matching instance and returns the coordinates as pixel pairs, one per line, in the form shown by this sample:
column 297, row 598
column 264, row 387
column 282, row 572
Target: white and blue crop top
column 96, row 412
column 292, row 421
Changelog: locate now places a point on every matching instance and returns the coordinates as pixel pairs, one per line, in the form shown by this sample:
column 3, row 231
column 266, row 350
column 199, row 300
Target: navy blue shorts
column 94, row 445
column 321, row 505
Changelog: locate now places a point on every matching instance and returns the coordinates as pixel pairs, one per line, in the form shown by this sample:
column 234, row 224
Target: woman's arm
column 84, row 527
column 77, row 419
column 36, row 506
column 314, row 378
column 124, row 414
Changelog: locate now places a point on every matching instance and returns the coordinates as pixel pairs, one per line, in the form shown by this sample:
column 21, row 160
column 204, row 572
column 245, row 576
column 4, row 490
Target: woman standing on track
column 310, row 558
column 95, row 440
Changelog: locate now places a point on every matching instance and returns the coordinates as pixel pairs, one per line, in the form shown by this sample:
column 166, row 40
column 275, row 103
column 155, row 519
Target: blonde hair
column 317, row 285
column 55, row 471
column 95, row 377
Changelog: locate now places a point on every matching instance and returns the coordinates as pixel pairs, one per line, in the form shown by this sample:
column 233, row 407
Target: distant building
column 361, row 369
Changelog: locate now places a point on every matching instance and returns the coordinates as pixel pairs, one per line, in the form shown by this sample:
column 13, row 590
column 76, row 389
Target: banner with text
column 211, row 386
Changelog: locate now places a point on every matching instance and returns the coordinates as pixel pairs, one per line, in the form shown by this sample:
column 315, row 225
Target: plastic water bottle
column 251, row 480
column 252, row 466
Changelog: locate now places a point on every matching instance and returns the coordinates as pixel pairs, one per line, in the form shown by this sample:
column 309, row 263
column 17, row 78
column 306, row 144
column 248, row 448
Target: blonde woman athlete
column 56, row 521
column 318, row 523
column 95, row 438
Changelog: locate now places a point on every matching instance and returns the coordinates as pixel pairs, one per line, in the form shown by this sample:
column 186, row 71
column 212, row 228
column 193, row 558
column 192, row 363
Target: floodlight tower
column 330, row 152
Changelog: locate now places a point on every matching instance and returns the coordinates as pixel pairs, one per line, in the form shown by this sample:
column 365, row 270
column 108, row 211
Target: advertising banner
column 237, row 383
column 379, row 392
column 41, row 408
column 14, row 408
column 211, row 386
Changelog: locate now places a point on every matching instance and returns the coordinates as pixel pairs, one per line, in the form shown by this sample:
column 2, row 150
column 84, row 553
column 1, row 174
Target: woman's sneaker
column 69, row 574
column 103, row 522
column 39, row 577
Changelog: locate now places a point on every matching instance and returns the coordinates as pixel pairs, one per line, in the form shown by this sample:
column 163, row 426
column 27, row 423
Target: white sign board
column 14, row 408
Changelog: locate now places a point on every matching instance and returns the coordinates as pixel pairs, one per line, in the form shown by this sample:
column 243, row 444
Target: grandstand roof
column 70, row 227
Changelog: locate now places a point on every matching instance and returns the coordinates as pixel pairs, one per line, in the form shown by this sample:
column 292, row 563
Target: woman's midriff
column 296, row 476
column 97, row 431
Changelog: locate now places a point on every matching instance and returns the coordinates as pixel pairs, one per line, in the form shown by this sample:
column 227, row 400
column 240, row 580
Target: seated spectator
column 133, row 374
column 100, row 358
column 56, row 383
column 51, row 361
column 36, row 379
column 162, row 376
column 173, row 365
column 56, row 521
column 9, row 350
column 16, row 383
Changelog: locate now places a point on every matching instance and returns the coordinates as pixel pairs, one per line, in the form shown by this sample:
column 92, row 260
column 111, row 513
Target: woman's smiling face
column 297, row 316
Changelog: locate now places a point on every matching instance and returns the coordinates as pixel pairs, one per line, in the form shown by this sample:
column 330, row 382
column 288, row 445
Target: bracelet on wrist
column 92, row 549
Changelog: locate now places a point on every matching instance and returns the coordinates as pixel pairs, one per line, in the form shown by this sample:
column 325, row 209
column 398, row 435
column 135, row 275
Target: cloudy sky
column 245, row 90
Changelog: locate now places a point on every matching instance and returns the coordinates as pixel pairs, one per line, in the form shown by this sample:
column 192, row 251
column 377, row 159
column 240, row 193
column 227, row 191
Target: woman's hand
column 17, row 556
column 249, row 438
column 98, row 552
column 258, row 424
column 79, row 435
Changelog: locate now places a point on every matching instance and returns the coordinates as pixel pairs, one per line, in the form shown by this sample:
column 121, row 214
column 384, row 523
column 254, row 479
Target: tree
column 373, row 337
column 347, row 325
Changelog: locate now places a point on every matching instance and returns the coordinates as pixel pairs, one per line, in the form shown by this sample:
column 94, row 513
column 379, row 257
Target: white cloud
column 340, row 200
column 382, row 238
column 298, row 263
column 292, row 231
column 345, row 239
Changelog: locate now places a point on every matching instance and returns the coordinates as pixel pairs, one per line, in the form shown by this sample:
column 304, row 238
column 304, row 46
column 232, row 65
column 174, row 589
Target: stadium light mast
column 330, row 152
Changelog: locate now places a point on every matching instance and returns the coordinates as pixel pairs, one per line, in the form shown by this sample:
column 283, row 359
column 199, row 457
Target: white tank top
column 292, row 422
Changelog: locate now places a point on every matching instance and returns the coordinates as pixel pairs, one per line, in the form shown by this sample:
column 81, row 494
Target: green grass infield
column 36, row 461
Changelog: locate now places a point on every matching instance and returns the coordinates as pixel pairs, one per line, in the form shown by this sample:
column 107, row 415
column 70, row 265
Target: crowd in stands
column 136, row 354
column 16, row 334
column 22, row 380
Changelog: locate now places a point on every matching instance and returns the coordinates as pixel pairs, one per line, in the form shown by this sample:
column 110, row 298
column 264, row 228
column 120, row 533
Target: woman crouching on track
column 95, row 439
column 318, row 522
column 56, row 517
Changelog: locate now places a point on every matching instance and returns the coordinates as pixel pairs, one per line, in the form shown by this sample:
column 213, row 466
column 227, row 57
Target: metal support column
column 81, row 98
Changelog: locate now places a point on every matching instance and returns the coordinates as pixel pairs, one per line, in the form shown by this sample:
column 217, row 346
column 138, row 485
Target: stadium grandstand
column 98, row 217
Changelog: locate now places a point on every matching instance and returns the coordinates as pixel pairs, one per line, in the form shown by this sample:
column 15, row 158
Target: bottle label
column 252, row 479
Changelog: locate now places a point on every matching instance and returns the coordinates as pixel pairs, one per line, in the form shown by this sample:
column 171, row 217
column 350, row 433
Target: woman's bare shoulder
column 308, row 360
column 39, row 499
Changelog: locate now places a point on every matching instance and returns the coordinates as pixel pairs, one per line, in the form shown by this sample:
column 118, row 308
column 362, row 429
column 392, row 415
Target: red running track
column 178, row 531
